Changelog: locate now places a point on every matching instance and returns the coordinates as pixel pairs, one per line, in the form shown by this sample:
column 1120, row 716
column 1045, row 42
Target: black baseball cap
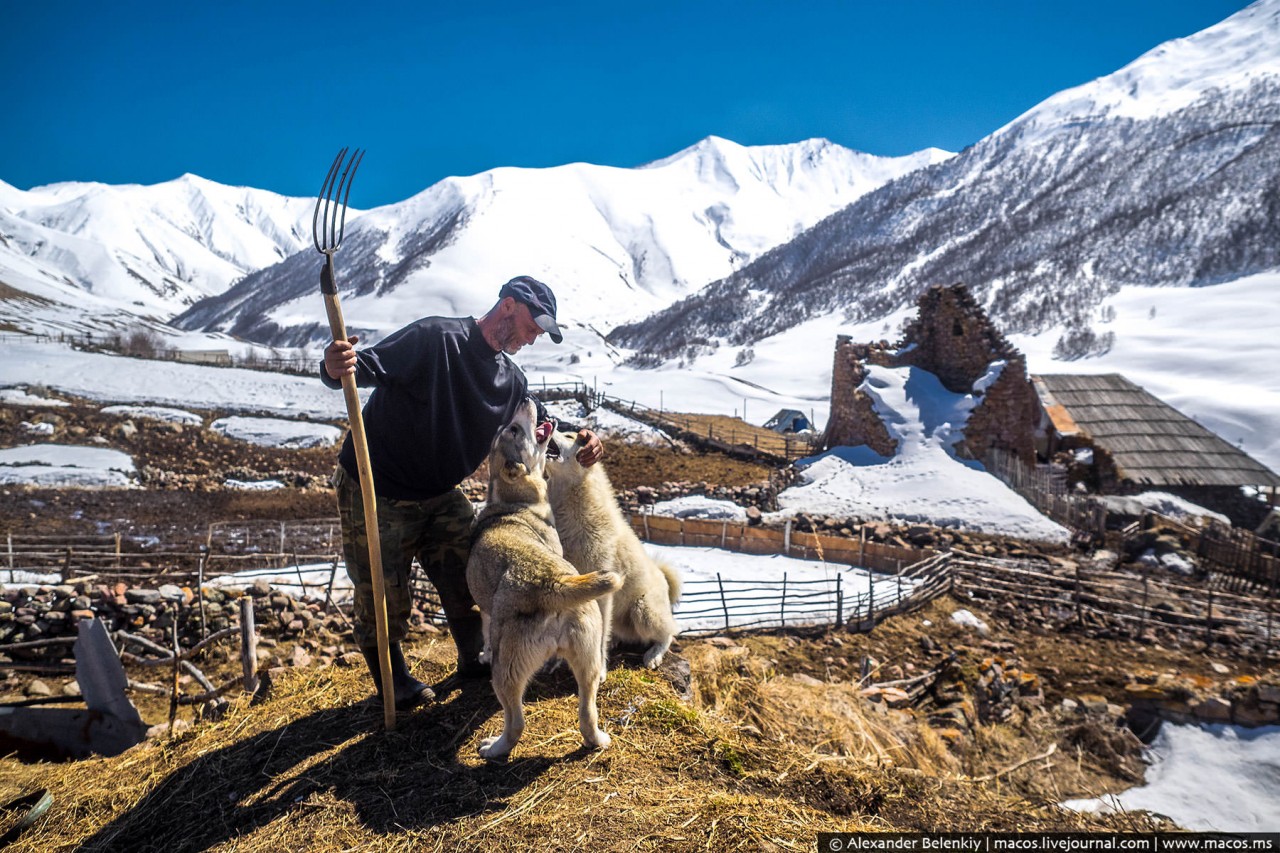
column 539, row 299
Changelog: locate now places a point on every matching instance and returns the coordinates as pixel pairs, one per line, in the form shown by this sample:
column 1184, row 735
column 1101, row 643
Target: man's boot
column 410, row 692
column 468, row 636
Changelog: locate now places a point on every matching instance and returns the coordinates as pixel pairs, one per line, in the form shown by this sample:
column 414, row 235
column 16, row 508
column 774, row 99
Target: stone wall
column 853, row 420
column 952, row 338
column 1005, row 416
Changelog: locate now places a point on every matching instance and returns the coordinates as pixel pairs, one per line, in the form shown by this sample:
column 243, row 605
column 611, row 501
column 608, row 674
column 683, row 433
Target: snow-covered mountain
column 615, row 244
column 146, row 250
column 1165, row 173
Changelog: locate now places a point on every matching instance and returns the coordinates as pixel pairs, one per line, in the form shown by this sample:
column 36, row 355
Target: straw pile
column 752, row 762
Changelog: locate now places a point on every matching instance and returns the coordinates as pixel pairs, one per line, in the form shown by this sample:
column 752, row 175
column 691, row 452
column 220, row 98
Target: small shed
column 788, row 421
column 1141, row 443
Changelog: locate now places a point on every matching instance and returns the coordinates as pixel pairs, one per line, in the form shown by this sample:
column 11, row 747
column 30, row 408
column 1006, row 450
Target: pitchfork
column 328, row 226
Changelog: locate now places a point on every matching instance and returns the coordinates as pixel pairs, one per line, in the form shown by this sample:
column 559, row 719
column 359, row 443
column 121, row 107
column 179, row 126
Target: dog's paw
column 653, row 658
column 600, row 741
column 495, row 749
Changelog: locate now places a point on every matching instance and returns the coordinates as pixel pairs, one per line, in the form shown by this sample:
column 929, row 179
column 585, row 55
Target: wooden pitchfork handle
column 328, row 237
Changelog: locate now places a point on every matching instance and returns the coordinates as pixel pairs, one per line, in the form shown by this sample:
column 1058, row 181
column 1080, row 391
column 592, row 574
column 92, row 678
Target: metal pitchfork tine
column 328, row 237
column 327, row 229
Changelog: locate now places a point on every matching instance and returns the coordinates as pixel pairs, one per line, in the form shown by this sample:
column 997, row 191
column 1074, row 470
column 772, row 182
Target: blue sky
column 263, row 94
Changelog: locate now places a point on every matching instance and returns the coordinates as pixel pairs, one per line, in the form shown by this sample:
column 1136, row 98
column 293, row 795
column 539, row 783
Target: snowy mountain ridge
column 1044, row 218
column 153, row 250
column 614, row 243
column 1173, row 75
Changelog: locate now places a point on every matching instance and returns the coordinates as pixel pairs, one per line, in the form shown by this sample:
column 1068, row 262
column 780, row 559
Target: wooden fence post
column 204, row 623
column 248, row 645
column 1208, row 622
column 177, row 668
column 724, row 603
column 1079, row 597
column 782, row 608
column 1142, row 609
column 839, row 601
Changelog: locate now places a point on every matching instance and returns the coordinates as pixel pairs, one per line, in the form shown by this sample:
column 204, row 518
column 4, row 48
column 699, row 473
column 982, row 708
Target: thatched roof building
column 1149, row 442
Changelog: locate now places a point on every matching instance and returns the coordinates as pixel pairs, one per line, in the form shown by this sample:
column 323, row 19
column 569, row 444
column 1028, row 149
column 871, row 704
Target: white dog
column 534, row 604
column 596, row 536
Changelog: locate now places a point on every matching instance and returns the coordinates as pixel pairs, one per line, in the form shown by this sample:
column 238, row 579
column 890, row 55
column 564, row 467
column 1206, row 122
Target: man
column 443, row 388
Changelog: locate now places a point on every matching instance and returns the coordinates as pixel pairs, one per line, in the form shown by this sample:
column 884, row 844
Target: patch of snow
column 40, row 429
column 311, row 579
column 277, row 432
column 22, row 397
column 700, row 506
column 608, row 424
column 156, row 413
column 1206, row 778
column 1178, row 563
column 704, row 571
column 253, row 485
column 64, row 465
column 924, row 482
column 967, row 619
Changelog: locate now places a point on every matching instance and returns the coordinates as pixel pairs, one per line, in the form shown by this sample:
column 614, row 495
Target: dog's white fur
column 534, row 604
column 596, row 536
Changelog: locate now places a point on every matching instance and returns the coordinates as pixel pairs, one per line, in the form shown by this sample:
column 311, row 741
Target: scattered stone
column 38, row 688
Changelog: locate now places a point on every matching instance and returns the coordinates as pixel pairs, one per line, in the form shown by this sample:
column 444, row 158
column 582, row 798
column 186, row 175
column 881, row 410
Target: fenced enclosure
column 1246, row 561
column 852, row 600
column 304, row 559
column 1129, row 603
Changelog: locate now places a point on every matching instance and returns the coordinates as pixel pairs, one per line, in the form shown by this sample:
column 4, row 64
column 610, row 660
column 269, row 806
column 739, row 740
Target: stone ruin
column 954, row 339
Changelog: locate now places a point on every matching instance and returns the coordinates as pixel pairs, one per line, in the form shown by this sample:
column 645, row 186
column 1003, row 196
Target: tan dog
column 534, row 604
column 596, row 535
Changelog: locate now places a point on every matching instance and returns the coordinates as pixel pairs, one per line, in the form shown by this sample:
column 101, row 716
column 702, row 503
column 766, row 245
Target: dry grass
column 756, row 761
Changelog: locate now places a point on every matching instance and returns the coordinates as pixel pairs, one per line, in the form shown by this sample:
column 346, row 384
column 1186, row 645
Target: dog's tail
column 673, row 582
column 569, row 591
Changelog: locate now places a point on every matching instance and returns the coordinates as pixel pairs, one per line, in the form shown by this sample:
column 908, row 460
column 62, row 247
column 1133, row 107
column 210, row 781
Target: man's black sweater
column 441, row 394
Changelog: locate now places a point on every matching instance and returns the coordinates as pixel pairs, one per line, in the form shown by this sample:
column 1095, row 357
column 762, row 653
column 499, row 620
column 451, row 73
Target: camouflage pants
column 438, row 533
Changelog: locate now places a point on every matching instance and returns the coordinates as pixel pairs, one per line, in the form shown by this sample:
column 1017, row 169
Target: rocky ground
column 991, row 700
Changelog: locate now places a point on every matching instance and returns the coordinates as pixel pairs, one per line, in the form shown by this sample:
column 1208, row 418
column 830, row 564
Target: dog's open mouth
column 543, row 432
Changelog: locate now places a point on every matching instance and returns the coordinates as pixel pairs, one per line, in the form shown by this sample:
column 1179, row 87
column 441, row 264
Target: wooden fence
column 900, row 579
column 739, row 440
column 1241, row 561
column 1246, row 560
column 725, row 605
column 1044, row 487
column 746, row 539
column 1130, row 604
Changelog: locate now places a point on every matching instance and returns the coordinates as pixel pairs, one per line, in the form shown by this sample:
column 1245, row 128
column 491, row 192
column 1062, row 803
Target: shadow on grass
column 407, row 779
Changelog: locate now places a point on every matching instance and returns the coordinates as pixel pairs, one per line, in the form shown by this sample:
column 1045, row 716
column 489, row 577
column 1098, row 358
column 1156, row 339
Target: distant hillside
column 1162, row 174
